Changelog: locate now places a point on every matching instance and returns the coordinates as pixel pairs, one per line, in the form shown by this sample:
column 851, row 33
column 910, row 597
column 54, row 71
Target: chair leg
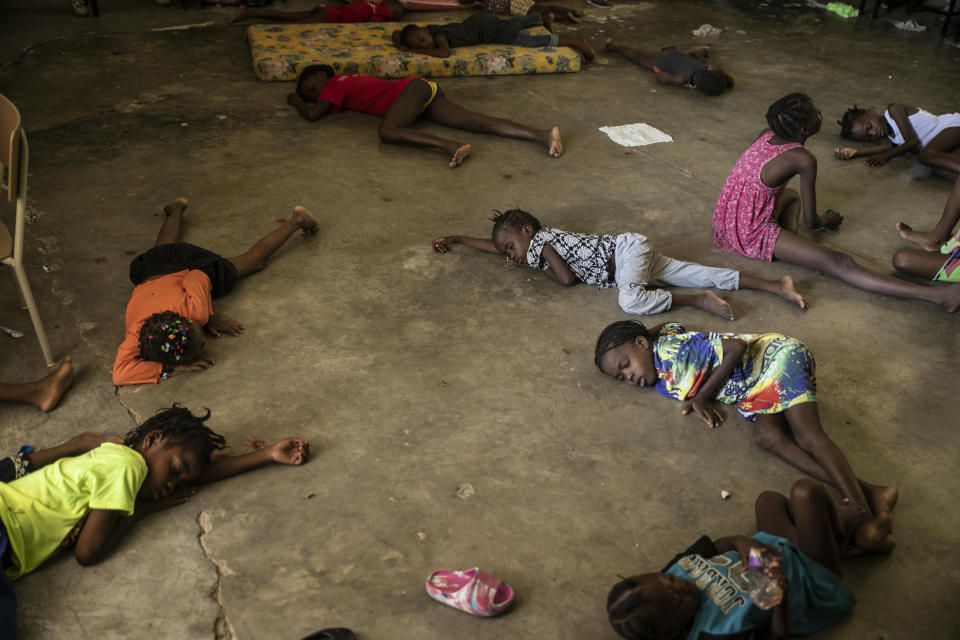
column 16, row 285
column 27, row 296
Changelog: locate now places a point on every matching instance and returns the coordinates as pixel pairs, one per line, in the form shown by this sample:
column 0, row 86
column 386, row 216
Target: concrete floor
column 415, row 375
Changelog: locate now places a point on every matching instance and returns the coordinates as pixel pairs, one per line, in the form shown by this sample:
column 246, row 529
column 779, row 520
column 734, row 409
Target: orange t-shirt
column 186, row 293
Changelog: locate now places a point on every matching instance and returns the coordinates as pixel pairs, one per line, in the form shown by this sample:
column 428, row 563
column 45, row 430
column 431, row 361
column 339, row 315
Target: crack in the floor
column 222, row 629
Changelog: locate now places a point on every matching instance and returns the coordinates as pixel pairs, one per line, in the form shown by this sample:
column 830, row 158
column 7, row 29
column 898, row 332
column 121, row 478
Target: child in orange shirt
column 171, row 305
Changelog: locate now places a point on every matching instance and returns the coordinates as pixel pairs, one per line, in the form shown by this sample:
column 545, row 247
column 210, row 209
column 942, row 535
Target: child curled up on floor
column 171, row 306
column 901, row 129
column 673, row 68
column 756, row 215
column 771, row 378
column 626, row 261
column 358, row 11
column 481, row 28
column 703, row 593
column 90, row 491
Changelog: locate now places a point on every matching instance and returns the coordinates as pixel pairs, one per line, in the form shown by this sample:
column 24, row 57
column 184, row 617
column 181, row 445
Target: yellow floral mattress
column 280, row 51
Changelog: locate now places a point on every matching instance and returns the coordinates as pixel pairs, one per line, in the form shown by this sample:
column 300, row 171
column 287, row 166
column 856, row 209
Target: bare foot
column 554, row 144
column 709, row 301
column 574, row 15
column 301, row 219
column 547, row 20
column 882, row 499
column 239, row 15
column 874, row 534
column 925, row 239
column 49, row 390
column 789, row 293
column 588, row 53
column 609, row 44
column 176, row 206
column 459, row 155
column 951, row 298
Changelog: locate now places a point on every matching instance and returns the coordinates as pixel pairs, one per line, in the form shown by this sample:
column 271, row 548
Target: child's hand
column 777, row 574
column 177, row 496
column 290, row 451
column 201, row 363
column 517, row 263
column 831, row 219
column 743, row 544
column 878, row 160
column 89, row 440
column 293, row 98
column 844, row 153
column 704, row 409
column 216, row 326
column 443, row 244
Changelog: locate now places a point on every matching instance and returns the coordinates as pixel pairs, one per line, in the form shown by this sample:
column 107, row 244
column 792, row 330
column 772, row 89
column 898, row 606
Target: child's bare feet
column 788, row 292
column 882, row 499
column 49, row 390
column 239, row 15
column 925, row 239
column 554, row 144
column 459, row 155
column 610, row 44
column 584, row 48
column 176, row 206
column 547, row 20
column 301, row 219
column 874, row 535
column 710, row 302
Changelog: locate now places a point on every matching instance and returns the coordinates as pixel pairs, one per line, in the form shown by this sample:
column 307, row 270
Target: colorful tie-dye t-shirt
column 775, row 373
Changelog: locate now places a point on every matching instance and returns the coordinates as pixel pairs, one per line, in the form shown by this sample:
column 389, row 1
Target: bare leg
column 170, row 229
column 256, row 256
column 581, row 45
column 45, row 393
column 317, row 14
column 573, row 15
column 449, row 113
column 395, row 127
column 783, row 287
column 931, row 240
column 937, row 153
column 925, row 264
column 798, row 250
column 706, row 300
column 645, row 59
column 787, row 210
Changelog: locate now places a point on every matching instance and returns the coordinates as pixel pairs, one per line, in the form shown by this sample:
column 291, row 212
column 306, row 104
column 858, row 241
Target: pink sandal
column 472, row 591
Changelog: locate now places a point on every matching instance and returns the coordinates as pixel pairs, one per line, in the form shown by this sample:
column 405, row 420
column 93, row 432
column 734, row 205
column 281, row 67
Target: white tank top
column 924, row 123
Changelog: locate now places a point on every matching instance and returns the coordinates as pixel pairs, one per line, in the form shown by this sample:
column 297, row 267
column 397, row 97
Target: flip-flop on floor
column 280, row 51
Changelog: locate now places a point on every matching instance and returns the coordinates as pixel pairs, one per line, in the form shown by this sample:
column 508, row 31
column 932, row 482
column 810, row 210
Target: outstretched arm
column 806, row 168
column 309, row 110
column 287, row 451
column 849, row 153
column 558, row 270
column 701, row 403
column 443, row 244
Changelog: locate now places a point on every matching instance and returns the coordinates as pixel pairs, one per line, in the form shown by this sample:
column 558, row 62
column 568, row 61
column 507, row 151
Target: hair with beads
column 165, row 338
column 846, row 122
column 616, row 334
column 513, row 219
column 630, row 612
column 178, row 426
column 788, row 115
column 311, row 70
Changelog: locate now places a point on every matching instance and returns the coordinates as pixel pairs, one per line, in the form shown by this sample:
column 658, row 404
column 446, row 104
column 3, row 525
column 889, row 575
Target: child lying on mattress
column 358, row 11
column 481, row 28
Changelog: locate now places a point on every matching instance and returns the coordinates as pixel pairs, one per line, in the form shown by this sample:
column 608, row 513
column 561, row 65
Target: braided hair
column 311, row 70
column 788, row 115
column 846, row 122
column 616, row 334
column 178, row 426
column 630, row 612
column 513, row 219
column 165, row 338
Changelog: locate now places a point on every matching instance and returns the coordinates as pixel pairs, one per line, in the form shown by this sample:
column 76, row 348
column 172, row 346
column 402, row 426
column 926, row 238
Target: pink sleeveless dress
column 743, row 220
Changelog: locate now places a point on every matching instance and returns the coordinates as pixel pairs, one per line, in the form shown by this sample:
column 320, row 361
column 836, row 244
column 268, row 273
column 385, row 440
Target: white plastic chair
column 13, row 154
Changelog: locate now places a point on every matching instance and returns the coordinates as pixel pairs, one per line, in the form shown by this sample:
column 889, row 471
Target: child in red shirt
column 359, row 11
column 400, row 103
column 171, row 305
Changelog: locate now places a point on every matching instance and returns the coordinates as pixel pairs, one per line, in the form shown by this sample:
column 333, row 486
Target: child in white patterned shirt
column 625, row 261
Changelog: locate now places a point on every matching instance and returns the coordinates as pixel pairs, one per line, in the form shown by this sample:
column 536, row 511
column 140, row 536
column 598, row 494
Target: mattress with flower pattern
column 280, row 51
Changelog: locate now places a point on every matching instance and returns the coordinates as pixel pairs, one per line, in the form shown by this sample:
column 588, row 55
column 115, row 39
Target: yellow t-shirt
column 40, row 509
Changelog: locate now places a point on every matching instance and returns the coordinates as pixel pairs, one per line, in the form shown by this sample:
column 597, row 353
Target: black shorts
column 169, row 258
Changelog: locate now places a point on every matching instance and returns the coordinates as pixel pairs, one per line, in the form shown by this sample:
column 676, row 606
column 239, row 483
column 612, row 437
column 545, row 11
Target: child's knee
column 766, row 501
column 638, row 300
column 900, row 261
column 806, row 490
column 766, row 436
column 840, row 262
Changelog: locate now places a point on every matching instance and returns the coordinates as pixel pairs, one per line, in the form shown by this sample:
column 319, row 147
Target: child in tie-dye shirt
column 771, row 379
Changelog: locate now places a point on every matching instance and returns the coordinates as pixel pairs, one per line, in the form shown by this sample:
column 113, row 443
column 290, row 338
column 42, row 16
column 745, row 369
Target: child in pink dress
column 756, row 216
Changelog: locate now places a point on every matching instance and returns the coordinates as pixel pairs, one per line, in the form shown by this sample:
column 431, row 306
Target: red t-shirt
column 360, row 11
column 354, row 92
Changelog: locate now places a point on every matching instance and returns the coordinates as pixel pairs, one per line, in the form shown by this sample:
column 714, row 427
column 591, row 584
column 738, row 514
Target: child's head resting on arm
column 512, row 232
column 176, row 446
column 311, row 81
column 863, row 124
column 794, row 117
column 625, row 352
column 414, row 37
column 710, row 82
column 652, row 606
column 170, row 339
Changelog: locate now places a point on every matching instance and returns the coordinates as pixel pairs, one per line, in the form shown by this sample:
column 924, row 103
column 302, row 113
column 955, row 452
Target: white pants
column 639, row 265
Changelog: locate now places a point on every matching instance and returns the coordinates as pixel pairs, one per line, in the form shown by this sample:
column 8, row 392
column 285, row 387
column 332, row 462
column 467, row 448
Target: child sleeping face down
column 631, row 362
column 655, row 605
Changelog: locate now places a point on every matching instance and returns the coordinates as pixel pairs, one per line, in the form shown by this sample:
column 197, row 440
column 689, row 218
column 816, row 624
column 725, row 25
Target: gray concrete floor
column 352, row 334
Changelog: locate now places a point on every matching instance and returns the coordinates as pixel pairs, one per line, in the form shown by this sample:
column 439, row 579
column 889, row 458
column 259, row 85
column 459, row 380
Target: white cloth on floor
column 636, row 135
